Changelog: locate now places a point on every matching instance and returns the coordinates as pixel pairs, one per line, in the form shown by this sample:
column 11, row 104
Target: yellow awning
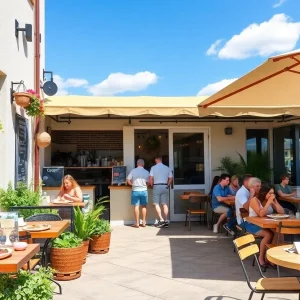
column 271, row 89
column 122, row 106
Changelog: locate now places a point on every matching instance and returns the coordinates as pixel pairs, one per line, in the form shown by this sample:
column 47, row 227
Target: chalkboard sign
column 21, row 131
column 119, row 175
column 52, row 176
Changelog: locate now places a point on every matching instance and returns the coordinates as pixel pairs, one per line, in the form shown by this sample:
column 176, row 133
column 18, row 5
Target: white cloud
column 278, row 35
column 117, row 83
column 63, row 85
column 212, row 88
column 279, row 3
column 213, row 48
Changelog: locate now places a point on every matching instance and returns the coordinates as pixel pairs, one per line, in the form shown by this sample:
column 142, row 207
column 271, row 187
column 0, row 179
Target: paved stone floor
column 170, row 263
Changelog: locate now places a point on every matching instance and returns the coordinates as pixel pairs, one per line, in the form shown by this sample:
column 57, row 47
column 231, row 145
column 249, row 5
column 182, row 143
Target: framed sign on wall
column 21, row 131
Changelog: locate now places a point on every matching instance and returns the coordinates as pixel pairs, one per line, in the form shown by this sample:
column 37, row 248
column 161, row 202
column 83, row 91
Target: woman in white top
column 261, row 205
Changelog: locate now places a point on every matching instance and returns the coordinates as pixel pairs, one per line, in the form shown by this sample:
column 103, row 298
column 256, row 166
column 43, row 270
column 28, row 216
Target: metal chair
column 43, row 217
column 246, row 247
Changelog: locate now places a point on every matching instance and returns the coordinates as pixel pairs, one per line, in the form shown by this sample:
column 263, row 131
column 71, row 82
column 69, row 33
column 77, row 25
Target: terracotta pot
column 100, row 244
column 67, row 262
column 22, row 98
column 85, row 250
column 43, row 139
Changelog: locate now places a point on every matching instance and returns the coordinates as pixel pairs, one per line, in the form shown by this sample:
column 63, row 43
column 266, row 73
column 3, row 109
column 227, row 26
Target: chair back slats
column 248, row 251
column 288, row 227
column 244, row 240
column 198, row 199
column 43, row 217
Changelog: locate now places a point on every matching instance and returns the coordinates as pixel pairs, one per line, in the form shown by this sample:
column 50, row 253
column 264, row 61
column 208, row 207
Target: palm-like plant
column 229, row 166
column 84, row 223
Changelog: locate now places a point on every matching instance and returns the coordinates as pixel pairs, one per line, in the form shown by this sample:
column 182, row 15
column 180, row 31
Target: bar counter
column 121, row 210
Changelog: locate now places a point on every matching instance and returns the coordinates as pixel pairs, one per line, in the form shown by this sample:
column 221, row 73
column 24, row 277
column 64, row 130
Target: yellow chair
column 246, row 247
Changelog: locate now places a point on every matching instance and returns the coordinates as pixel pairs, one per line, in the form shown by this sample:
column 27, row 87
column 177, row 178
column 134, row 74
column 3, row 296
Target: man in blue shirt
column 221, row 193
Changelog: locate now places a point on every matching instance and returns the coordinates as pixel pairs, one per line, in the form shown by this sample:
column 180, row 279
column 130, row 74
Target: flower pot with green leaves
column 31, row 102
column 100, row 238
column 66, row 256
column 27, row 285
column 84, row 224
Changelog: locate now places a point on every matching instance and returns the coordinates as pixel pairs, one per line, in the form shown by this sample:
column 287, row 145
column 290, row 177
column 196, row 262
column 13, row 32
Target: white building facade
column 17, row 63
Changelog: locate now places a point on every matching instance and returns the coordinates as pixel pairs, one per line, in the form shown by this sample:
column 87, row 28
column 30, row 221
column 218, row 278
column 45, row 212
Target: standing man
column 138, row 178
column 161, row 178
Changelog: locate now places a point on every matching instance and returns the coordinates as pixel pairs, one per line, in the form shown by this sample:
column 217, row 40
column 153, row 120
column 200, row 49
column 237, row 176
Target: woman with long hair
column 262, row 204
column 70, row 190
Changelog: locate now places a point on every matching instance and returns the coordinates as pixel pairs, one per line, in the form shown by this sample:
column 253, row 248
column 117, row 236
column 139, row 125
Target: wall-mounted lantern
column 27, row 29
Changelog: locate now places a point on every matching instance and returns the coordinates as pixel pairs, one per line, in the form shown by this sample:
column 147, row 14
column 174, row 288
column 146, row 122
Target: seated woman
column 234, row 184
column 284, row 190
column 70, row 190
column 262, row 204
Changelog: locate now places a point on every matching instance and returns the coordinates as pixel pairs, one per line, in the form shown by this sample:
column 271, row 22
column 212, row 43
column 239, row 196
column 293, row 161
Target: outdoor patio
column 169, row 263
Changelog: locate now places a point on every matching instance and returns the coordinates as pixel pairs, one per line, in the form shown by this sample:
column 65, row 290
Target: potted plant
column 31, row 102
column 27, row 285
column 66, row 256
column 100, row 237
column 84, row 224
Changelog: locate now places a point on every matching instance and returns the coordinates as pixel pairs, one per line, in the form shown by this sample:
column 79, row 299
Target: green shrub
column 22, row 196
column 67, row 240
column 100, row 227
column 27, row 285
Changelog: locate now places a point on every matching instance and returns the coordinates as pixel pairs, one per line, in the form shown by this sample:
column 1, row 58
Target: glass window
column 188, row 158
column 257, row 141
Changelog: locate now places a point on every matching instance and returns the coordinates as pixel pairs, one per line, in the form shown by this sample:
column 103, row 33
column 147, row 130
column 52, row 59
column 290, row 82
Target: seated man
column 284, row 190
column 221, row 193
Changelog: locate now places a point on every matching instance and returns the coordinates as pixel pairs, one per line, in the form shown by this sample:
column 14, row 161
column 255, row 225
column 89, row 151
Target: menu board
column 119, row 175
column 21, row 131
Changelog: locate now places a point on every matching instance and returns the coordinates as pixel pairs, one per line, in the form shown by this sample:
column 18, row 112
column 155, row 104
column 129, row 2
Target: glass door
column 189, row 160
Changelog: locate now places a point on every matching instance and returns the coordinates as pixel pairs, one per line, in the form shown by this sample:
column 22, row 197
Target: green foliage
column 84, row 223
column 256, row 165
column 67, row 240
column 1, row 126
column 27, row 285
column 100, row 227
column 231, row 167
column 22, row 196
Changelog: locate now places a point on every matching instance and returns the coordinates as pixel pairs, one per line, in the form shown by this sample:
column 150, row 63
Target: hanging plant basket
column 22, row 99
column 43, row 139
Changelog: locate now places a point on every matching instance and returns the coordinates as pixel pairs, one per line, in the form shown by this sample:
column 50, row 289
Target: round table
column 282, row 258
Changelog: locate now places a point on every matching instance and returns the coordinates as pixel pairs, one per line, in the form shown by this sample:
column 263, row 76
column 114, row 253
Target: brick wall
column 90, row 140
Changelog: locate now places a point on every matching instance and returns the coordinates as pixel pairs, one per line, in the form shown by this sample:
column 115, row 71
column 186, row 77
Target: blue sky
column 163, row 47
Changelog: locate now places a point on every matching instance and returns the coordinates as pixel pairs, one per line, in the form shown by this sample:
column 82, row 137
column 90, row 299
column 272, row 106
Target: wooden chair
column 194, row 208
column 246, row 247
column 288, row 227
column 214, row 217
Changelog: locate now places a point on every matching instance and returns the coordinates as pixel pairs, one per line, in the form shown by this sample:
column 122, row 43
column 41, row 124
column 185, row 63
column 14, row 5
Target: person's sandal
column 135, row 226
column 144, row 225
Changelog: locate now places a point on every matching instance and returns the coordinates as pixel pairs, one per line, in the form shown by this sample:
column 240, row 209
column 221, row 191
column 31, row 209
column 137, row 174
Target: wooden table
column 290, row 199
column 80, row 204
column 57, row 227
column 265, row 222
column 188, row 196
column 18, row 259
column 282, row 258
column 229, row 202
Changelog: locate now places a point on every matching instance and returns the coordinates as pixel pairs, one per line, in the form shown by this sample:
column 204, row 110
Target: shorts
column 251, row 228
column 222, row 209
column 139, row 198
column 160, row 194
